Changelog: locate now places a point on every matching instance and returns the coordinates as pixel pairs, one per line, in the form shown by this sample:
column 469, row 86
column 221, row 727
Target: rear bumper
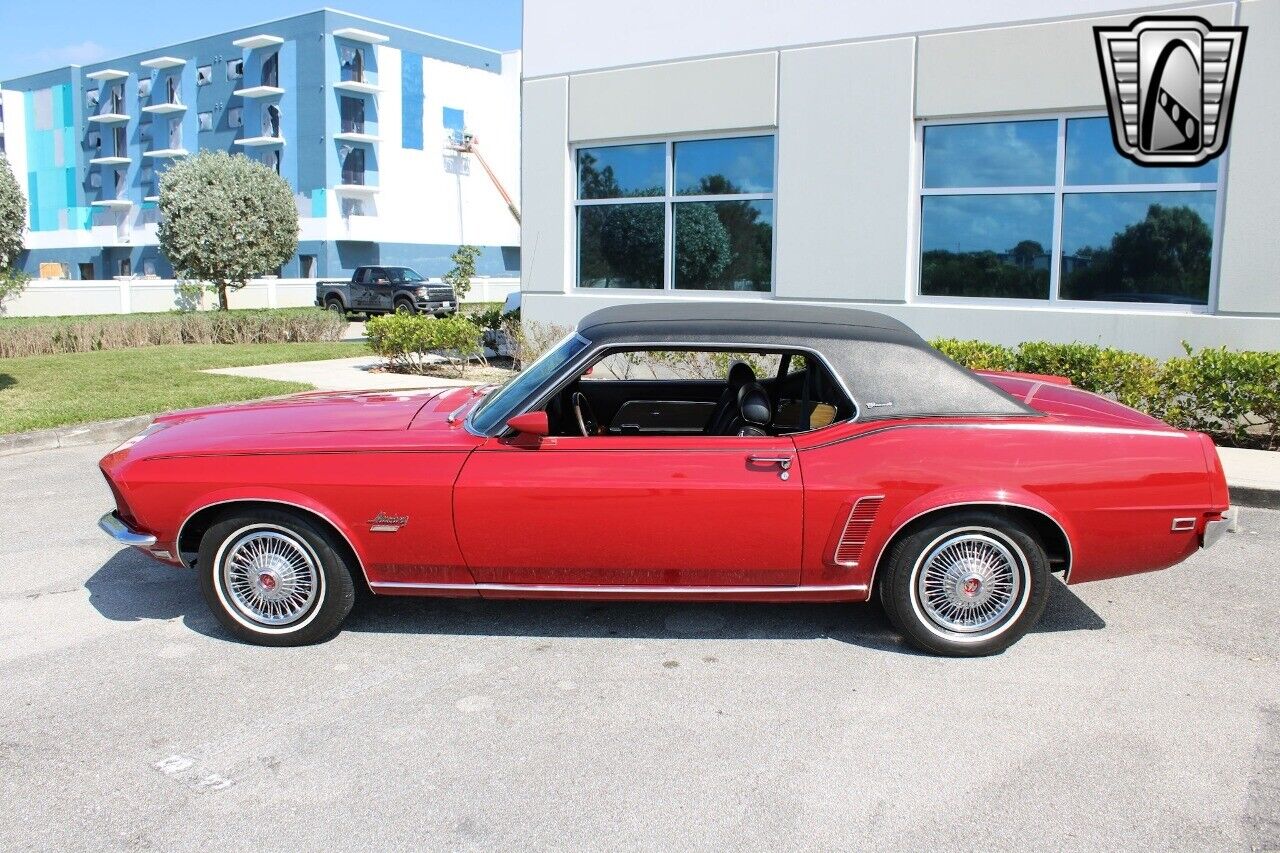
column 1213, row 531
column 123, row 533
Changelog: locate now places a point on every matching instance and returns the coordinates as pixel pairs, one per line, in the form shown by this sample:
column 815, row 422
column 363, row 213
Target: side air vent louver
column 854, row 536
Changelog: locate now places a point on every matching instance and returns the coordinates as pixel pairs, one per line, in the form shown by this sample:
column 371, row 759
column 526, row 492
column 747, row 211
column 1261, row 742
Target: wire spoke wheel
column 270, row 576
column 969, row 582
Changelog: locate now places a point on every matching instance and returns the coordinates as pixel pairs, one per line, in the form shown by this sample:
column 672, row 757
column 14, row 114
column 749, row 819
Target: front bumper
column 1213, row 531
column 123, row 533
column 447, row 306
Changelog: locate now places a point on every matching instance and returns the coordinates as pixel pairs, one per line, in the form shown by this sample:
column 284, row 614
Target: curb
column 71, row 436
column 1254, row 497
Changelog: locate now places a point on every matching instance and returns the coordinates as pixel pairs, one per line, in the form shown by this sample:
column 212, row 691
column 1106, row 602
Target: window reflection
column 724, row 166
column 986, row 245
column 1137, row 247
column 1092, row 159
column 620, row 245
column 621, row 171
column 992, row 154
column 724, row 245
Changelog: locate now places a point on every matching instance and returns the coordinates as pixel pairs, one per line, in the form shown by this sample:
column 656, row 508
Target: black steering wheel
column 584, row 414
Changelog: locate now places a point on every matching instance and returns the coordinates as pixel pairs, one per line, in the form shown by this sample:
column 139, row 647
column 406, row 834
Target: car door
column 632, row 510
column 380, row 289
column 360, row 297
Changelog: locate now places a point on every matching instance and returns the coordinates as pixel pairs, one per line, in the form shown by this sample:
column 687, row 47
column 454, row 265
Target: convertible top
column 890, row 371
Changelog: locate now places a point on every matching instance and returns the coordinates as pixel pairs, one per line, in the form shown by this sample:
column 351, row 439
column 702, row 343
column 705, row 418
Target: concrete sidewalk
column 1253, row 476
column 342, row 374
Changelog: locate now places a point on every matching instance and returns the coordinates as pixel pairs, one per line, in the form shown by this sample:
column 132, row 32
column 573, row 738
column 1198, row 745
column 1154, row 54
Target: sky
column 36, row 35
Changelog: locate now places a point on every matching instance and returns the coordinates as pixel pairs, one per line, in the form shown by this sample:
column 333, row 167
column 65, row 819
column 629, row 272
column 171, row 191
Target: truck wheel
column 405, row 306
column 968, row 584
column 335, row 305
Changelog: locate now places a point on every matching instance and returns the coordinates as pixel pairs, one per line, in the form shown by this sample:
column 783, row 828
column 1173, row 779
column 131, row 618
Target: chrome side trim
column 122, row 533
column 1066, row 575
column 663, row 590
column 178, row 538
column 1213, row 531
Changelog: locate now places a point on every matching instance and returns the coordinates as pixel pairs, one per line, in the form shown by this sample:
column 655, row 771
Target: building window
column 352, row 64
column 272, row 160
column 144, row 88
column 271, row 70
column 91, row 100
column 86, row 271
column 680, row 215
column 126, row 268
column 204, row 75
column 1046, row 209
column 351, row 111
column 235, row 69
column 175, row 133
column 204, row 121
column 121, row 141
column 352, row 166
column 307, row 265
column 235, row 117
column 171, row 89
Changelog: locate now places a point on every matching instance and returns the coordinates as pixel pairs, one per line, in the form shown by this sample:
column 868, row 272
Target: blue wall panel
column 411, row 95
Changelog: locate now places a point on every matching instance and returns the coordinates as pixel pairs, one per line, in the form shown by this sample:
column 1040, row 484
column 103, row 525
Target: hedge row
column 1233, row 396
column 410, row 343
column 51, row 335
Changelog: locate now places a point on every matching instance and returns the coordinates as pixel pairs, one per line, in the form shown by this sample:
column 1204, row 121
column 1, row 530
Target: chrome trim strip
column 1002, row 425
column 178, row 538
column 663, row 590
column 1213, row 531
column 122, row 533
column 1066, row 575
column 1183, row 525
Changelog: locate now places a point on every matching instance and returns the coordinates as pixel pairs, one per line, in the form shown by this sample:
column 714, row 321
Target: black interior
column 802, row 395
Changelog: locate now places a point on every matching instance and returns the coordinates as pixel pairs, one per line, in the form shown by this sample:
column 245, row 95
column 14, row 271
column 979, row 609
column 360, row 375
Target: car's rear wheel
column 275, row 578
column 335, row 306
column 966, row 584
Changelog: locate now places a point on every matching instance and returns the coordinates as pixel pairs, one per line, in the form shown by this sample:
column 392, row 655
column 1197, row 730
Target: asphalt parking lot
column 1143, row 714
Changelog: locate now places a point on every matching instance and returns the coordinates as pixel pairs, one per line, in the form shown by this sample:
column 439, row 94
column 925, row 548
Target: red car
column 699, row 451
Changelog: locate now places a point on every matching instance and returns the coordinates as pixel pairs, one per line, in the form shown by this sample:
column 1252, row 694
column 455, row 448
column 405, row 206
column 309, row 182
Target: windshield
column 500, row 404
column 400, row 274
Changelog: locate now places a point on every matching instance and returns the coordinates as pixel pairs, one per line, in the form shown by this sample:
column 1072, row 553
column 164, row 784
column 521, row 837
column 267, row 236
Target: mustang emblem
column 383, row 523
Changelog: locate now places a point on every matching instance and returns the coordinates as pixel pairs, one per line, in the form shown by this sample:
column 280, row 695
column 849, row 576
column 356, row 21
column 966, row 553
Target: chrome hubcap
column 270, row 577
column 969, row 582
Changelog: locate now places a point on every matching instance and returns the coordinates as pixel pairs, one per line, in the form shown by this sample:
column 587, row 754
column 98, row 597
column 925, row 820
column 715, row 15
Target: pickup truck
column 382, row 290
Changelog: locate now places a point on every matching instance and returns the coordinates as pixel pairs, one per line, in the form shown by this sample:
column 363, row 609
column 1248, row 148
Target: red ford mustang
column 700, row 451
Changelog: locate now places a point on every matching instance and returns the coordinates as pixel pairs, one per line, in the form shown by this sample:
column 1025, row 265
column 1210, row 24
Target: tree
column 225, row 220
column 13, row 224
column 1164, row 256
column 464, row 267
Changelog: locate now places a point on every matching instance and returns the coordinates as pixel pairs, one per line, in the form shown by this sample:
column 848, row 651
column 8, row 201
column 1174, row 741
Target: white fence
column 58, row 297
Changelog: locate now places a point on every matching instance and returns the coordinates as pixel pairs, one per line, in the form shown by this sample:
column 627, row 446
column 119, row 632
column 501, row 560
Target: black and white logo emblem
column 1170, row 84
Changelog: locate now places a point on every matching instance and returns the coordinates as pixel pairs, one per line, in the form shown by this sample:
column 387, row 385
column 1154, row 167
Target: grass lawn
column 54, row 390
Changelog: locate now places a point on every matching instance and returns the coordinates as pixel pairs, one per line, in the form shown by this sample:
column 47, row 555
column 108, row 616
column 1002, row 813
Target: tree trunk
column 222, row 297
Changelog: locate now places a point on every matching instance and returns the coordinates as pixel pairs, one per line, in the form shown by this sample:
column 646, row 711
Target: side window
column 681, row 364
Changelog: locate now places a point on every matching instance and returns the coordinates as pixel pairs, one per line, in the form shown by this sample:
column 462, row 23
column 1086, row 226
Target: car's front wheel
column 966, row 584
column 275, row 578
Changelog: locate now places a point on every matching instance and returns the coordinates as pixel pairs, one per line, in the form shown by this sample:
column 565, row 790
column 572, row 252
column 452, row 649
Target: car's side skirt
column 847, row 592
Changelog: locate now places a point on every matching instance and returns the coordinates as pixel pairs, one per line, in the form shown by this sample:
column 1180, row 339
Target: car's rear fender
column 1049, row 525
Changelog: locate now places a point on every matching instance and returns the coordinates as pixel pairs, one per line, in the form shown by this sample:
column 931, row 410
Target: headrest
column 740, row 373
column 753, row 404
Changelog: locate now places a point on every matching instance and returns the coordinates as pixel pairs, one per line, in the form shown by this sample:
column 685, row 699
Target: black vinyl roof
column 890, row 371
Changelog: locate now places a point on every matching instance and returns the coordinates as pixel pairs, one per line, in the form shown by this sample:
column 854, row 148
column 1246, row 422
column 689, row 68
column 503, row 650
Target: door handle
column 783, row 462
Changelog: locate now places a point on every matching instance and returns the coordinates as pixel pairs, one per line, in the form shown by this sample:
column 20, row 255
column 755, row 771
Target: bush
column 1232, row 396
column 408, row 341
column 23, row 336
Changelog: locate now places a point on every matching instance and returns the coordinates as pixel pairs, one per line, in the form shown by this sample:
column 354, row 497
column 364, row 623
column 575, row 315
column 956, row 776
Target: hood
column 317, row 412
column 1057, row 397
